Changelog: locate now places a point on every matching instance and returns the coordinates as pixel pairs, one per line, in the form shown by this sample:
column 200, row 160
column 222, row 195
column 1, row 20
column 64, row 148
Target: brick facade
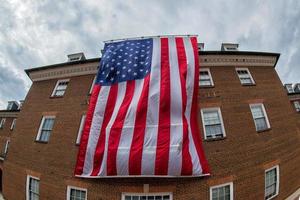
column 242, row 157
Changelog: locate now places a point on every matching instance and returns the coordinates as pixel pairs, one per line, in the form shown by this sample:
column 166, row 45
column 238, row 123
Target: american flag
column 142, row 115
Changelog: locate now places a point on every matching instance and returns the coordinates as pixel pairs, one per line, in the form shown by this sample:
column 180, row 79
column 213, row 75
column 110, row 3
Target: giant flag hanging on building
column 142, row 115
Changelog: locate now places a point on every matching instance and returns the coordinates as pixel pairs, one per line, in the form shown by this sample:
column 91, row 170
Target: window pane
column 214, row 131
column 211, row 117
column 257, row 111
column 127, row 197
column 135, row 198
column 261, row 124
column 221, row 193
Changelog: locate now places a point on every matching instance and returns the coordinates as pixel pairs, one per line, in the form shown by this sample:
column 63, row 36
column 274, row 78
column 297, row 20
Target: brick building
column 249, row 131
column 293, row 93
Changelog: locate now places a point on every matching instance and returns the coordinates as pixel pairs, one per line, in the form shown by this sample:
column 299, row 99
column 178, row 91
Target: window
column 2, row 122
column 6, row 147
column 147, row 196
column 94, row 81
column 80, row 129
column 13, row 124
column 222, row 192
column 205, row 79
column 60, row 88
column 272, row 182
column 32, row 188
column 45, row 128
column 75, row 193
column 289, row 88
column 297, row 105
column 260, row 117
column 245, row 76
column 212, row 123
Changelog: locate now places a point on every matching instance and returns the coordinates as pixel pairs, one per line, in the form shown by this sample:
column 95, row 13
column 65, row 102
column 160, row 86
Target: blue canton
column 124, row 61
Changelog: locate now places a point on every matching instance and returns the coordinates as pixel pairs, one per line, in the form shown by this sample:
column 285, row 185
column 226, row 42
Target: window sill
column 248, row 84
column 55, row 97
column 206, row 86
column 273, row 196
column 265, row 130
column 214, row 139
column 42, row 142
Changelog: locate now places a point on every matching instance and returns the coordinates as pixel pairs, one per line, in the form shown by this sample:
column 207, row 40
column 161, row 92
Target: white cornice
column 205, row 61
column 9, row 114
column 237, row 60
column 64, row 71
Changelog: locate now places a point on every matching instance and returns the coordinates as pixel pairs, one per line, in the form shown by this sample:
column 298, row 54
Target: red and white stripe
column 147, row 127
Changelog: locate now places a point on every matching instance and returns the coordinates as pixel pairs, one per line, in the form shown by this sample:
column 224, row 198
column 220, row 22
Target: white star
column 136, row 51
column 146, row 71
column 123, row 75
column 118, row 72
column 135, row 65
column 131, row 49
column 141, row 70
column 124, row 67
column 130, row 55
column 125, row 60
column 119, row 56
column 126, row 53
column 118, row 63
column 112, row 68
column 129, row 70
column 134, row 73
column 113, row 60
column 135, row 57
column 143, row 50
column 121, row 49
column 112, row 78
column 142, row 55
column 103, row 72
column 129, row 62
column 141, row 63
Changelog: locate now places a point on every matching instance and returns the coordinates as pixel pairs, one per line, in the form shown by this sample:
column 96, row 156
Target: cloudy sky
column 35, row 33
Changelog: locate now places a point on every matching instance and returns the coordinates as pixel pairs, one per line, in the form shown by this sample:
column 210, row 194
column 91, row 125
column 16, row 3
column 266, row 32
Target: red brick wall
column 241, row 157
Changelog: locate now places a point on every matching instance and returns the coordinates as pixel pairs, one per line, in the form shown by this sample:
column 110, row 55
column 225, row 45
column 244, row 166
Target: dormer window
column 229, row 47
column 289, row 88
column 76, row 57
column 12, row 105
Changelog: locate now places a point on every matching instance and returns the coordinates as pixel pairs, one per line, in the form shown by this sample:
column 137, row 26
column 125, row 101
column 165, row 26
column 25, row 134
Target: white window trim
column 221, row 119
column 250, row 75
column 2, row 122
column 13, row 124
column 210, row 77
column 41, row 125
column 79, row 134
column 92, row 86
column 277, row 181
column 147, row 194
column 61, row 80
column 69, row 187
column 222, row 185
column 264, row 111
column 27, row 184
column 6, row 147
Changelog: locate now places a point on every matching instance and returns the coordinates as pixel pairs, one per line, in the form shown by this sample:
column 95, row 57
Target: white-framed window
column 32, row 188
column 60, row 88
column 260, row 117
column 93, row 83
column 205, row 78
column 147, row 196
column 2, row 122
column 76, row 193
column 13, row 124
column 45, row 129
column 221, row 192
column 271, row 182
column 245, row 76
column 80, row 129
column 297, row 105
column 212, row 121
